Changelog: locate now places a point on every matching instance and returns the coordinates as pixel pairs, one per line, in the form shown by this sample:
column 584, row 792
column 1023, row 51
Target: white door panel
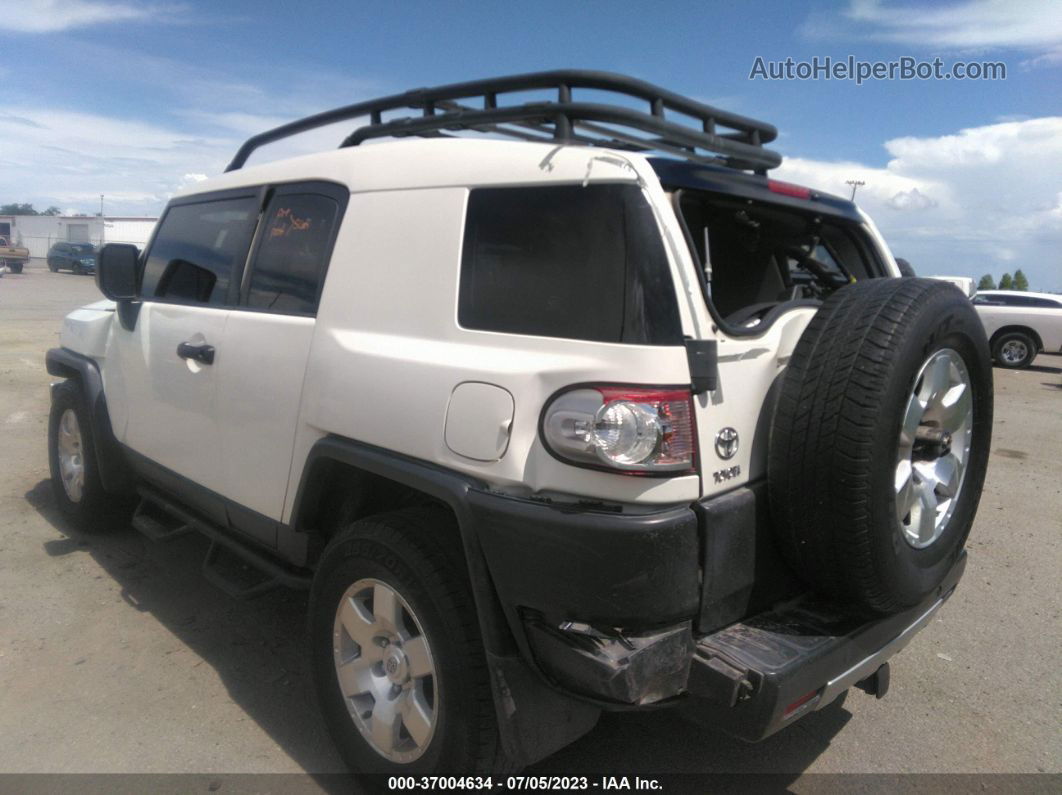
column 259, row 389
column 171, row 401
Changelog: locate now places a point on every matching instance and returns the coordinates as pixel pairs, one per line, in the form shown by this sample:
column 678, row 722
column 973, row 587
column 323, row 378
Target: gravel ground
column 116, row 656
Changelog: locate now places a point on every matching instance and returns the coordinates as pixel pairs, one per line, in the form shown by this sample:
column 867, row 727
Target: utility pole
column 101, row 205
column 855, row 183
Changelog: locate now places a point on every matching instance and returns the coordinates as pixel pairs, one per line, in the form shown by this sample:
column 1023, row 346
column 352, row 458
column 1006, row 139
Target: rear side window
column 195, row 250
column 577, row 262
column 290, row 259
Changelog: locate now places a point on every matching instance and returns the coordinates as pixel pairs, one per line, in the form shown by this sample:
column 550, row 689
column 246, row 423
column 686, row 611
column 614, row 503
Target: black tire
column 53, row 266
column 16, row 267
column 1014, row 350
column 399, row 549
column 95, row 509
column 835, row 441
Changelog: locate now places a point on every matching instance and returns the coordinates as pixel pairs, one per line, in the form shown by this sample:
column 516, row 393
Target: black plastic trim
column 809, row 648
column 115, row 474
column 535, row 719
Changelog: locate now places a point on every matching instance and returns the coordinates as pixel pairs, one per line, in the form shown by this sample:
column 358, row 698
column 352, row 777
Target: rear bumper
column 630, row 610
column 762, row 674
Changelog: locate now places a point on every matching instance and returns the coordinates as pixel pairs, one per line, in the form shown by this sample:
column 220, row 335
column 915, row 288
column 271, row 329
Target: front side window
column 196, row 249
column 290, row 260
column 569, row 261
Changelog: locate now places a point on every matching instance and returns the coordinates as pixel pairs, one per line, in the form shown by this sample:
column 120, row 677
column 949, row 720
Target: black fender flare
column 534, row 720
column 115, row 473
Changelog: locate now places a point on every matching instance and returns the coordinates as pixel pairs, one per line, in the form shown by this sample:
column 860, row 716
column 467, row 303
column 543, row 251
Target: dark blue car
column 77, row 257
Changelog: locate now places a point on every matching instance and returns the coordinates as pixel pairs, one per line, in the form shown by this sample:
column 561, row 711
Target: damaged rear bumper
column 637, row 610
column 750, row 679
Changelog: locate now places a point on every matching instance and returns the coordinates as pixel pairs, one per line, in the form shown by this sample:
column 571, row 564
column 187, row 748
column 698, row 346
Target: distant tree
column 987, row 282
column 1020, row 282
column 1006, row 283
column 53, row 210
column 17, row 209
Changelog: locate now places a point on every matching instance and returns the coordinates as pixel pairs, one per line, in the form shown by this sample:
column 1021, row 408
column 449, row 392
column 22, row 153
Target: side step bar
column 161, row 519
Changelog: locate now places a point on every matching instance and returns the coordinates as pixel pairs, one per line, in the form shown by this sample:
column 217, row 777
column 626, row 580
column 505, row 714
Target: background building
column 39, row 232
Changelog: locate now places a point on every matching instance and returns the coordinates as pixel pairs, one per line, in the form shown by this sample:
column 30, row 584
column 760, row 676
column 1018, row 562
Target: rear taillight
column 634, row 430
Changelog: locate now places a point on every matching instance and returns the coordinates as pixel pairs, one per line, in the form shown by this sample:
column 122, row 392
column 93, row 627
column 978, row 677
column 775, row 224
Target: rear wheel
column 880, row 441
column 397, row 659
column 16, row 267
column 1014, row 350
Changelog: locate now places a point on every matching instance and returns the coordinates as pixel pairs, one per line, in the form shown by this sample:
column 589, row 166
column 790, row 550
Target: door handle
column 204, row 354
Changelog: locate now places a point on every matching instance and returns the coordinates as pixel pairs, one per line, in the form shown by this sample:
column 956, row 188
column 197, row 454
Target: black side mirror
column 116, row 269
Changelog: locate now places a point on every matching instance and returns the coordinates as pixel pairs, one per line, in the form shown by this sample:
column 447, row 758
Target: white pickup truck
column 1020, row 324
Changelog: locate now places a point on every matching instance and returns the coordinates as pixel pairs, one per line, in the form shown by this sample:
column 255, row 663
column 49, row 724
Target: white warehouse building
column 39, row 233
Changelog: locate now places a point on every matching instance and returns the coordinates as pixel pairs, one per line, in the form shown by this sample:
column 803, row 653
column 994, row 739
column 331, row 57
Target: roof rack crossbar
column 741, row 141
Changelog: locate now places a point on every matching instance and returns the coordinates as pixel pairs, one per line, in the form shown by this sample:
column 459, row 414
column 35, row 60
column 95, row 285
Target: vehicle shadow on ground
column 258, row 647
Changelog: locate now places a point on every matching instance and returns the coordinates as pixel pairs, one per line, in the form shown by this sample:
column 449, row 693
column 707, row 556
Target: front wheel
column 76, row 484
column 1014, row 350
column 397, row 660
column 16, row 267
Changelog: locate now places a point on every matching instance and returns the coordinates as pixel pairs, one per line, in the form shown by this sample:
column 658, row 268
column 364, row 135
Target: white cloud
column 1033, row 26
column 912, row 199
column 52, row 16
column 984, row 199
column 68, row 159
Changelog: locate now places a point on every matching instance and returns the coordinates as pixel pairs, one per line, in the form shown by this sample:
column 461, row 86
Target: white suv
column 548, row 425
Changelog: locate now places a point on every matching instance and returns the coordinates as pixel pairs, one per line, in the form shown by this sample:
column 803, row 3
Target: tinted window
column 196, row 248
column 1031, row 301
column 567, row 261
column 291, row 257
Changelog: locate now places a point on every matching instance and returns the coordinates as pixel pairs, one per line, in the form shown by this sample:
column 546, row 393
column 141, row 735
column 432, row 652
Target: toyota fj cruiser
column 598, row 418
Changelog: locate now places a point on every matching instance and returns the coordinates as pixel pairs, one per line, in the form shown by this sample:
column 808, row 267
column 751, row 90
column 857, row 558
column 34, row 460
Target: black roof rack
column 716, row 136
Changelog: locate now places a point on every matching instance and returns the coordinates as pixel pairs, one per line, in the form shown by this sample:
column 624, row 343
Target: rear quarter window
column 568, row 261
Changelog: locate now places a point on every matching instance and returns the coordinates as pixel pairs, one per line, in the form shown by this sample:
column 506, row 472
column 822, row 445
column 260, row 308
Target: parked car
column 76, row 257
column 547, row 427
column 1020, row 324
column 12, row 258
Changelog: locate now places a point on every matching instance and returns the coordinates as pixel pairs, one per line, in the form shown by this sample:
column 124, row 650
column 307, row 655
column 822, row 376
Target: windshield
column 84, row 248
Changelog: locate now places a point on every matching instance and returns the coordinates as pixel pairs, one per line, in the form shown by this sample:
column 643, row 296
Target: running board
column 158, row 524
column 231, row 565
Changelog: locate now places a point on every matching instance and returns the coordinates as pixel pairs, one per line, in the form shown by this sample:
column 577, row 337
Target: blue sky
column 134, row 99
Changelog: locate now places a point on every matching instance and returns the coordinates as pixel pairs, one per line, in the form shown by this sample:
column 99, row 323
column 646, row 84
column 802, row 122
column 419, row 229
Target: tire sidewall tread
column 835, row 433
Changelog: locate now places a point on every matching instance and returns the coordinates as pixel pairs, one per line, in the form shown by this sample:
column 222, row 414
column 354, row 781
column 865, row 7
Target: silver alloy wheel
column 934, row 448
column 71, row 463
column 1014, row 351
column 386, row 671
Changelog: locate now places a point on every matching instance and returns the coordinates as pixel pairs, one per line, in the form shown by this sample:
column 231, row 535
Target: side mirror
column 116, row 269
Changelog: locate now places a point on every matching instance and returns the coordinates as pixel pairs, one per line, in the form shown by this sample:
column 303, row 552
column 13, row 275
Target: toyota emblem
column 726, row 443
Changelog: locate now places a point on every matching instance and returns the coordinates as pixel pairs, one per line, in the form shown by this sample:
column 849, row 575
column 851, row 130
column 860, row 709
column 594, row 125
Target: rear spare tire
column 880, row 441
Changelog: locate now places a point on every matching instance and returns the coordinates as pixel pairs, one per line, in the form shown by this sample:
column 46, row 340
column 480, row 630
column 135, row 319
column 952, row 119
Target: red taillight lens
column 788, row 189
column 636, row 430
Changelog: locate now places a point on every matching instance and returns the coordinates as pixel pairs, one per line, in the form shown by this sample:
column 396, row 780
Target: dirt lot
column 116, row 656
